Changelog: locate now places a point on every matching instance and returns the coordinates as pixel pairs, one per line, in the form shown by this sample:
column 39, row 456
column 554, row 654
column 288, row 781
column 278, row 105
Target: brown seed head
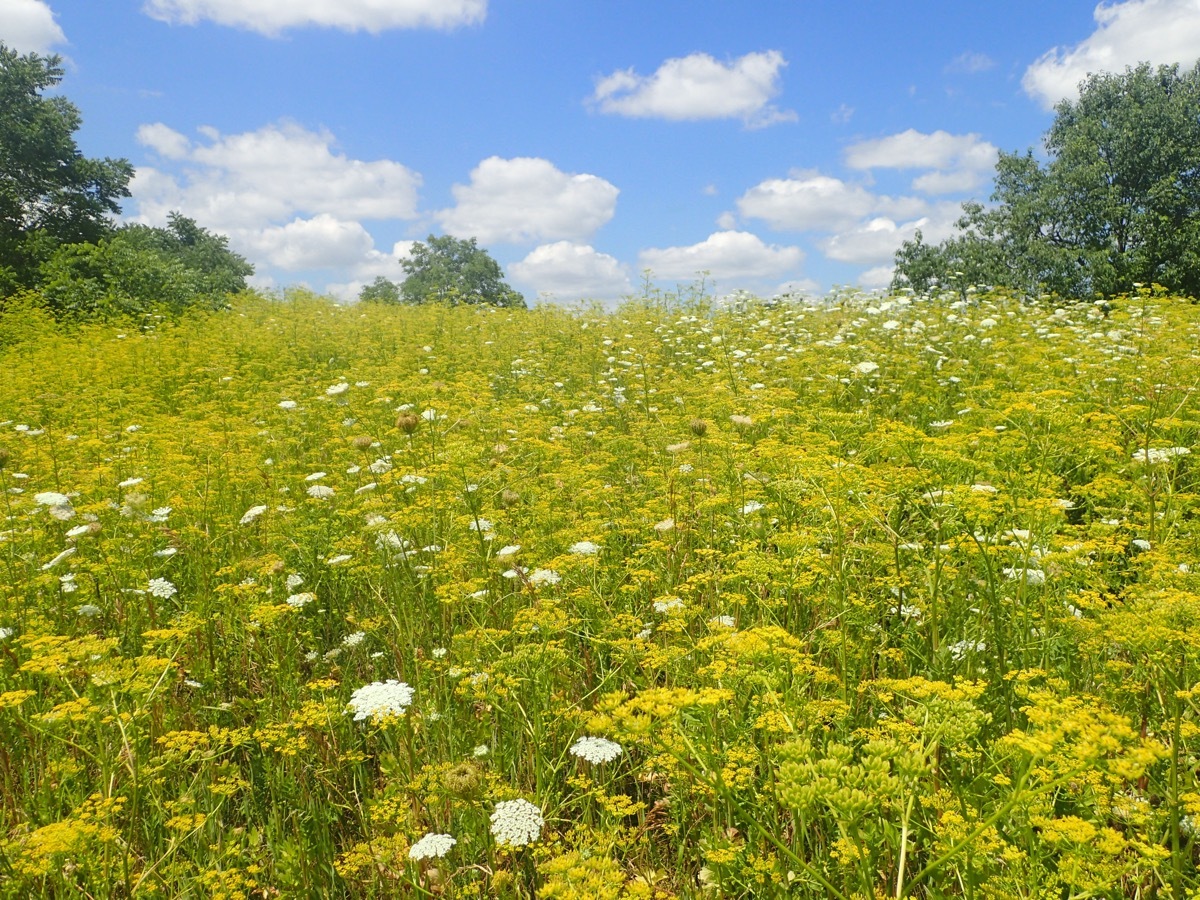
column 407, row 422
column 699, row 427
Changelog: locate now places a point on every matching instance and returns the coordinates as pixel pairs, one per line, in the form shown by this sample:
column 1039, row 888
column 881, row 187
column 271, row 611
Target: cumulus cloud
column 528, row 199
column 28, row 26
column 726, row 256
column 806, row 201
column 876, row 278
column 245, row 181
column 568, row 271
column 698, row 87
column 271, row 17
column 960, row 162
column 1157, row 31
column 285, row 196
column 876, row 240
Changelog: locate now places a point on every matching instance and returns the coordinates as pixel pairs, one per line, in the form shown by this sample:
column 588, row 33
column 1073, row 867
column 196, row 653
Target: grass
column 883, row 598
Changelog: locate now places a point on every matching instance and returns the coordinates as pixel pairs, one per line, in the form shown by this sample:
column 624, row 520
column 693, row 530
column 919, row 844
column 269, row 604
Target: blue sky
column 773, row 145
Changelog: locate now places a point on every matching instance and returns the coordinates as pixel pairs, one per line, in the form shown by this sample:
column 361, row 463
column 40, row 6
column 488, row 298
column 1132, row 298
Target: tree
column 381, row 290
column 50, row 194
column 454, row 271
column 1117, row 202
column 139, row 268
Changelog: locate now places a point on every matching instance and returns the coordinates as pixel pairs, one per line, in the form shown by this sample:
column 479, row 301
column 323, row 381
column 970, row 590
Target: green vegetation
column 57, row 238
column 1117, row 203
column 888, row 598
column 449, row 270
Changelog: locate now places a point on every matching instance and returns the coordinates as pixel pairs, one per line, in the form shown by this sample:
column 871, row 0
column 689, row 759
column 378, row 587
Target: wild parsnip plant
column 873, row 598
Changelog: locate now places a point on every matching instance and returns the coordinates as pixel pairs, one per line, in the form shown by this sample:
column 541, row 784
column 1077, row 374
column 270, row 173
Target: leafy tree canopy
column 1117, row 202
column 138, row 268
column 450, row 270
column 381, row 290
column 50, row 194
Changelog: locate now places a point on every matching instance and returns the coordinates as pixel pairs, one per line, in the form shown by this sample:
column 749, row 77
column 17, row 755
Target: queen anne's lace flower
column 516, row 823
column 251, row 514
column 596, row 750
column 585, row 548
column 430, row 846
column 161, row 588
column 381, row 699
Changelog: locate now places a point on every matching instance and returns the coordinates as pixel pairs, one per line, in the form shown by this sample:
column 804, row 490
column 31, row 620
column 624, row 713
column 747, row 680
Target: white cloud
column 876, row 240
column 528, row 199
column 28, row 26
column 567, row 271
column 970, row 63
column 961, row 162
column 698, row 87
column 807, row 201
column 249, row 180
column 270, row 17
column 877, row 277
column 1155, row 31
column 320, row 242
column 725, row 255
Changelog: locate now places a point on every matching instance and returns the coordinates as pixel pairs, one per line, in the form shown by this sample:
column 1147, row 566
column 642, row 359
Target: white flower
column 315, row 476
column 722, row 621
column 89, row 610
column 664, row 526
column 429, row 415
column 596, row 750
column 544, row 576
column 430, row 846
column 482, row 525
column 1029, row 576
column 866, row 368
column 354, row 638
column 301, row 600
column 516, row 823
column 6, row 633
column 962, row 648
column 166, row 552
column 287, row 404
column 1159, row 454
column 67, row 583
column 54, row 562
column 130, row 482
column 161, row 588
column 380, row 466
column 1141, row 544
column 585, row 548
column 320, row 491
column 159, row 515
column 939, row 425
column 752, row 507
column 79, row 531
column 51, row 498
column 381, row 699
column 294, row 581
column 438, row 653
column 338, row 560
column 667, row 604
column 251, row 514
column 340, row 388
column 482, row 749
column 509, row 550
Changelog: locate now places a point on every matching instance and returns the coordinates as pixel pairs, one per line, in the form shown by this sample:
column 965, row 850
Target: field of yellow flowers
column 874, row 598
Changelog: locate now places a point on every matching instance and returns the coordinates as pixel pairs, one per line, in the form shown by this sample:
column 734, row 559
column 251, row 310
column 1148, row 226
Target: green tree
column 451, row 270
column 138, row 269
column 50, row 194
column 1117, row 202
column 381, row 290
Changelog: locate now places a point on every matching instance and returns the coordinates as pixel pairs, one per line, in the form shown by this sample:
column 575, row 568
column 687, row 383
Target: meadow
column 885, row 597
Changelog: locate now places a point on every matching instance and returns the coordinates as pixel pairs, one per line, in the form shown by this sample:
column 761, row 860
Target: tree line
column 1116, row 203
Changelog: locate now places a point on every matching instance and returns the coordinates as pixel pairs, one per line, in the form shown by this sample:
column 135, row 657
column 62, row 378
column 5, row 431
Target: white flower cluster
column 161, row 588
column 60, row 504
column 596, row 750
column 1159, row 454
column 381, row 699
column 301, row 600
column 544, row 576
column 251, row 514
column 516, row 823
column 430, row 846
column 585, row 548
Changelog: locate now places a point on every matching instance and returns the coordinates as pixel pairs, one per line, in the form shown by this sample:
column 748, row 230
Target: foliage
column 50, row 194
column 139, row 269
column 451, row 270
column 894, row 597
column 381, row 290
column 1117, row 203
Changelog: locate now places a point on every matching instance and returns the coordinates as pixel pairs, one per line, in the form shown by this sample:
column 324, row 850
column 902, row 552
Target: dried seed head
column 362, row 442
column 4, row 457
column 407, row 422
column 509, row 498
column 699, row 427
